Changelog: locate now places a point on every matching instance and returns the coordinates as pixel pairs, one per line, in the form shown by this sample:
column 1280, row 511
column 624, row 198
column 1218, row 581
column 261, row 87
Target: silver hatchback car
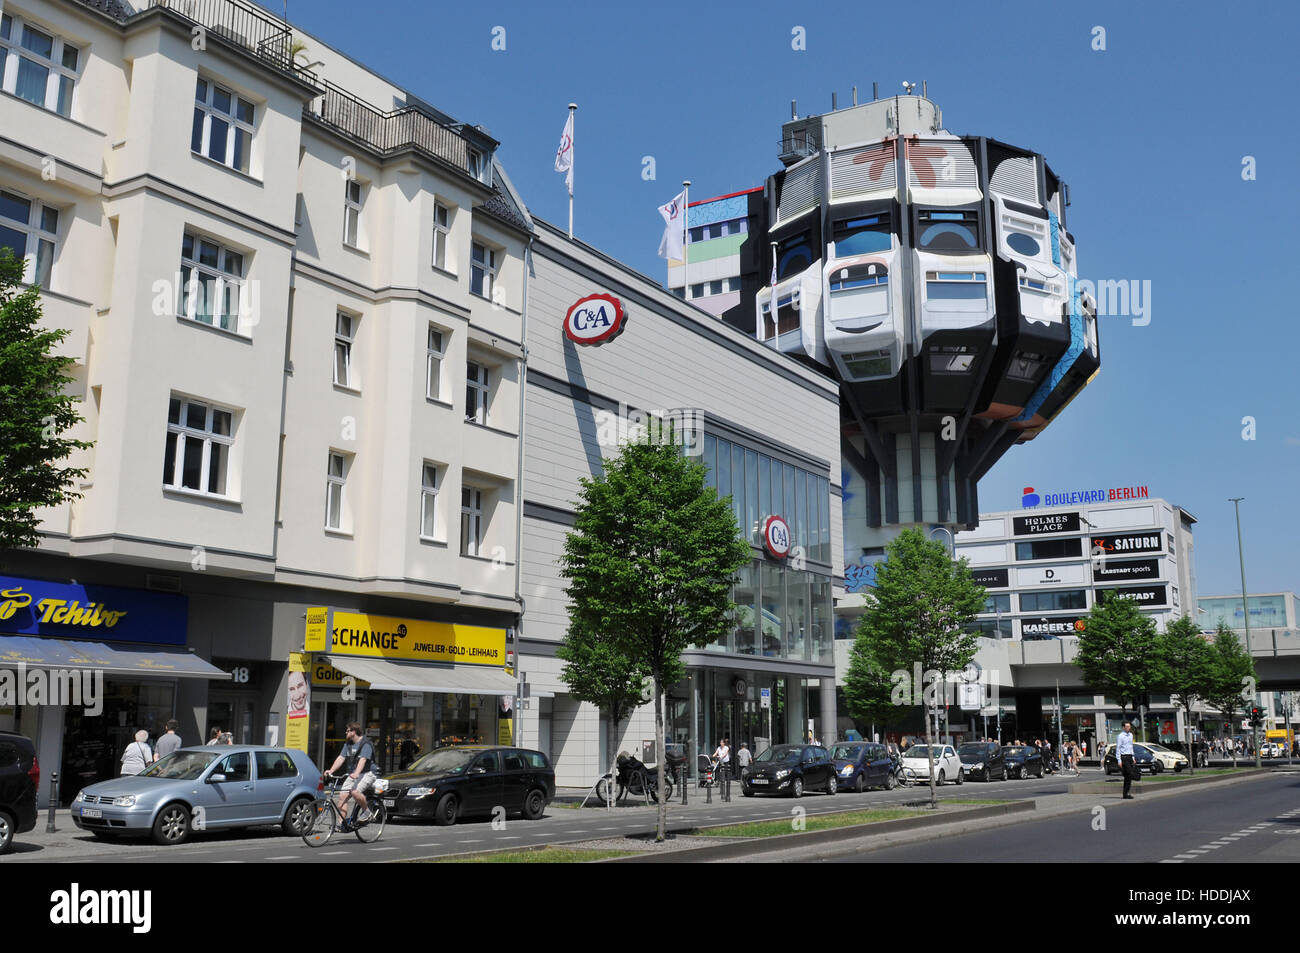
column 209, row 788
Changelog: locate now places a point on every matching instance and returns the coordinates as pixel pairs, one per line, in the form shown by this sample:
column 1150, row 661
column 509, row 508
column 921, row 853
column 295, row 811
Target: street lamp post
column 1245, row 605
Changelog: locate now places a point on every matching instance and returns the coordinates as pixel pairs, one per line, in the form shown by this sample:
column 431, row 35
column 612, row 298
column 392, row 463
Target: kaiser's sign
column 595, row 319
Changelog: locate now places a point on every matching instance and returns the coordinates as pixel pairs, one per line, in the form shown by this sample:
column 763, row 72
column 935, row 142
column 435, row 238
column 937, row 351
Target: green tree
column 924, row 604
column 1232, row 684
column 597, row 672
column 34, row 412
column 1186, row 669
column 650, row 564
column 867, row 689
column 1117, row 652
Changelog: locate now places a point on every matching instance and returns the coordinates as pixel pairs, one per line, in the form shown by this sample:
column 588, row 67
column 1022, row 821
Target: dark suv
column 20, row 774
column 982, row 761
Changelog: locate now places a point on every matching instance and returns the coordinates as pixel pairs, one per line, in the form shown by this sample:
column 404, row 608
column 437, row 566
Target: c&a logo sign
column 595, row 319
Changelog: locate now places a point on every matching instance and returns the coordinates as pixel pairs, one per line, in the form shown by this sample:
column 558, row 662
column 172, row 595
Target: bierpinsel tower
column 935, row 276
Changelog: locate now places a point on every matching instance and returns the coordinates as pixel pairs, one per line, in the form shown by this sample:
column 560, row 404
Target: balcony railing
column 390, row 132
column 798, row 145
column 271, row 40
column 244, row 25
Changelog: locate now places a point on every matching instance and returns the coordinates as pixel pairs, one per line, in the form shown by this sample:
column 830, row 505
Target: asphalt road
column 1256, row 821
column 403, row 840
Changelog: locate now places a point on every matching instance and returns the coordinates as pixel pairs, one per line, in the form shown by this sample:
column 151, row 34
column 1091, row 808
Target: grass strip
column 545, row 855
column 812, row 822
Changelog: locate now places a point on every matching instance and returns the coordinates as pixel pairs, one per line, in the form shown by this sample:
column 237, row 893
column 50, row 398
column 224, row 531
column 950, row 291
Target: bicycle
column 325, row 820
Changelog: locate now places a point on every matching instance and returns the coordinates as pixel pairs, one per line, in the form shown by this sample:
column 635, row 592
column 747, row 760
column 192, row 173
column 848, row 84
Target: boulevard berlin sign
column 1031, row 498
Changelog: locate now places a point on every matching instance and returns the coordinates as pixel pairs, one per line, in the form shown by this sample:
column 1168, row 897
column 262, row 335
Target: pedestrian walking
column 214, row 736
column 137, row 755
column 1124, row 751
column 169, row 742
column 744, row 756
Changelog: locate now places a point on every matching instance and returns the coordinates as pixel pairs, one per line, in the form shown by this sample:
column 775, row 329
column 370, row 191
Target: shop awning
column 416, row 677
column 99, row 657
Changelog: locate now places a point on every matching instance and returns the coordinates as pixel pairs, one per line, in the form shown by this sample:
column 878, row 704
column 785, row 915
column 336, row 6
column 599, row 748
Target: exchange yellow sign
column 317, row 630
column 325, row 675
column 376, row 636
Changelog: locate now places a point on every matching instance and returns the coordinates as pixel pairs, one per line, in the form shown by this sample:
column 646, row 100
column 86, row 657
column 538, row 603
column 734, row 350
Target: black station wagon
column 450, row 783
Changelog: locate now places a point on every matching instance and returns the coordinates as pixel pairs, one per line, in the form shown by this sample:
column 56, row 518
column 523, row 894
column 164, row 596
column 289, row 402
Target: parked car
column 1142, row 757
column 862, row 764
column 982, row 761
column 450, row 783
column 1168, row 758
column 1022, row 761
column 20, row 776
column 1271, row 749
column 208, row 788
column 947, row 766
column 790, row 769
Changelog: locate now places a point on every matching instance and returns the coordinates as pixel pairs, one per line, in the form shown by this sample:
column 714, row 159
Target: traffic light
column 1255, row 713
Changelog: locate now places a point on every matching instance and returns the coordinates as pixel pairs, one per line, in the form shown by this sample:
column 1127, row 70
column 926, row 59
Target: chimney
column 924, row 91
column 833, row 103
column 793, row 113
column 875, row 91
column 855, row 95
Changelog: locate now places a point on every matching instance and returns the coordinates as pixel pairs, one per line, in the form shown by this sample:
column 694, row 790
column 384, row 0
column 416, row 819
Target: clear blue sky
column 1150, row 134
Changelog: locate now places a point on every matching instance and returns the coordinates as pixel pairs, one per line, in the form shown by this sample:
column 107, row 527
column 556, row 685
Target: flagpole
column 686, row 237
column 573, row 108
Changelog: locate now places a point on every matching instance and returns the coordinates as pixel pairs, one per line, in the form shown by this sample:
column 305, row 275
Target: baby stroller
column 707, row 769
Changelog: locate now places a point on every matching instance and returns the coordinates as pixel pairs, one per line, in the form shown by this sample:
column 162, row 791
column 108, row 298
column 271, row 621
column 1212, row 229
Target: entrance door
column 234, row 712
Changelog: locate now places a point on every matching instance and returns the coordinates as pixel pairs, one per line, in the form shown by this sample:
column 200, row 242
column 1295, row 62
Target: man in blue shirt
column 1124, row 751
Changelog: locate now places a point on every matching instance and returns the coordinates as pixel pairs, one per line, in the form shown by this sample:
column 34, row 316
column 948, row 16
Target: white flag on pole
column 773, row 266
column 564, row 154
column 672, row 245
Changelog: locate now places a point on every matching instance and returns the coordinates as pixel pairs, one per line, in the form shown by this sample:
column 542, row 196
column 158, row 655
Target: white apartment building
column 295, row 296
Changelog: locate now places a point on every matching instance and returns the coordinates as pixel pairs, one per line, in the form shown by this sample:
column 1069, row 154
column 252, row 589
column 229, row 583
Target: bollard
column 708, row 792
column 681, row 779
column 726, row 784
column 54, row 800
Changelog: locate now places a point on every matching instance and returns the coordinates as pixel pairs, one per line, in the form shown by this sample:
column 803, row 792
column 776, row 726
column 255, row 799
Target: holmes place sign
column 1037, row 525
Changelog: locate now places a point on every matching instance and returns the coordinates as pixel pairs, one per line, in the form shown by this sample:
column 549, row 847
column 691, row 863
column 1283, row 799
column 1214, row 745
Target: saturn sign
column 595, row 319
column 776, row 537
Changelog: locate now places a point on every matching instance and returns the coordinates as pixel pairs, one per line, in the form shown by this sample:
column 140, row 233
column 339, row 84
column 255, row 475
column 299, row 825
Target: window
column 956, row 290
column 1047, row 601
column 223, row 125
column 1026, row 366
column 1049, row 549
column 344, row 332
column 864, row 364
column 471, row 521
column 197, row 454
column 335, row 481
column 274, row 764
column 352, row 213
column 476, row 392
column 37, row 66
column 793, row 256
column 482, row 269
column 235, row 767
column 30, row 228
column 433, row 365
column 429, row 501
column 861, row 235
column 952, row 359
column 1000, row 602
column 475, row 164
column 948, row 231
column 441, row 231
column 212, row 283
column 870, row 275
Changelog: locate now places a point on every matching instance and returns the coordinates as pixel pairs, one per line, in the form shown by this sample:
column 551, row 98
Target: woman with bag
column 137, row 755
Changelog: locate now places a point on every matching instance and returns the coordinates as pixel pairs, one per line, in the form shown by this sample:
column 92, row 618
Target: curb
column 762, row 845
column 1107, row 787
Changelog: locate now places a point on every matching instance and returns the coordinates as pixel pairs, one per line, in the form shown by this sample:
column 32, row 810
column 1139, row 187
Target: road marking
column 1185, row 856
column 334, row 853
column 429, row 845
column 231, row 861
column 1171, row 861
column 383, row 848
column 1197, row 851
column 475, row 840
column 284, row 857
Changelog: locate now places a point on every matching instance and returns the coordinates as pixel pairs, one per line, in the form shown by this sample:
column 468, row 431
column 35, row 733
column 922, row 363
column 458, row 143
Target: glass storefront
column 93, row 746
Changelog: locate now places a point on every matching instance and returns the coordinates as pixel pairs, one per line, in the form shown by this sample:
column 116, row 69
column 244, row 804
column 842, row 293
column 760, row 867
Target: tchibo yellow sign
column 377, row 636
